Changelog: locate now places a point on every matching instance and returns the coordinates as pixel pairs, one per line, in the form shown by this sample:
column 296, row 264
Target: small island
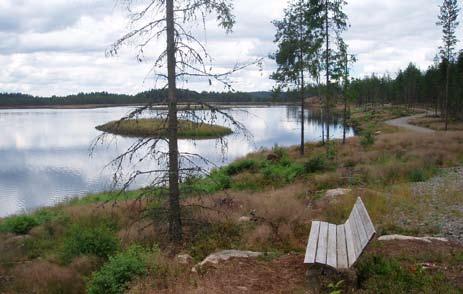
column 158, row 128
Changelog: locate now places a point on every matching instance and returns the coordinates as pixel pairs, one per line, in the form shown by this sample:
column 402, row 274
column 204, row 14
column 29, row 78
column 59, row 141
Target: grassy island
column 158, row 128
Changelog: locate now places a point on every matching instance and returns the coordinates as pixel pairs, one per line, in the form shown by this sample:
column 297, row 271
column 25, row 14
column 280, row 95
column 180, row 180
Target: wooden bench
column 339, row 246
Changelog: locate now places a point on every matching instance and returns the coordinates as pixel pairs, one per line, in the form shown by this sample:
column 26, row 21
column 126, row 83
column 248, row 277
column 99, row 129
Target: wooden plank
column 322, row 244
column 341, row 247
column 368, row 224
column 355, row 235
column 351, row 254
column 361, row 229
column 311, row 251
column 331, row 256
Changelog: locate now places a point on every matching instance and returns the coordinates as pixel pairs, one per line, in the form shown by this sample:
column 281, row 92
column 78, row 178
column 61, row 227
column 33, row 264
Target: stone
column 409, row 238
column 184, row 259
column 244, row 219
column 224, row 255
column 334, row 193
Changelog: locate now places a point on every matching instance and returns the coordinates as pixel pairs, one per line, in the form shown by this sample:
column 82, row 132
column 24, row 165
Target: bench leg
column 314, row 274
column 318, row 276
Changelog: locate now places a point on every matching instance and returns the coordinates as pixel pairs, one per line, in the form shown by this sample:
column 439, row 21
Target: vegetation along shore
column 264, row 203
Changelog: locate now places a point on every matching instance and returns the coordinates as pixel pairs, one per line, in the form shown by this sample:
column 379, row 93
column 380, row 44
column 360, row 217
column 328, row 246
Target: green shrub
column 20, row 224
column 378, row 274
column 280, row 152
column 277, row 174
column 421, row 175
column 114, row 277
column 315, row 164
column 331, row 150
column 241, row 166
column 417, row 175
column 81, row 240
column 367, row 138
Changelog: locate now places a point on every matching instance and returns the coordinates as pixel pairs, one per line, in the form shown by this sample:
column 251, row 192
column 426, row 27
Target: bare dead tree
column 183, row 57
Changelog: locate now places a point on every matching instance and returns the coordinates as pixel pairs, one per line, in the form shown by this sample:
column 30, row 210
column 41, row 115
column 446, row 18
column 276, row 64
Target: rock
column 334, row 193
column 244, row 219
column 215, row 258
column 409, row 238
column 184, row 259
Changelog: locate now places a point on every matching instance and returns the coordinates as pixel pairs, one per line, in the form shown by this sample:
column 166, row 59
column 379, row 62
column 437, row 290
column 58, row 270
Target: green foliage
column 98, row 240
column 281, row 174
column 317, row 163
column 418, row 175
column 241, row 166
column 114, row 277
column 368, row 138
column 378, row 274
column 331, row 150
column 336, row 288
column 20, row 224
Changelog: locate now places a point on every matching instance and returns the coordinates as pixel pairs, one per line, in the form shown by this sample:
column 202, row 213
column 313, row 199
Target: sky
column 57, row 47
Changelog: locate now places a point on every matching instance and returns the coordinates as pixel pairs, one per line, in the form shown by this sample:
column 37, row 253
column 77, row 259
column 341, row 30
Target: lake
column 45, row 154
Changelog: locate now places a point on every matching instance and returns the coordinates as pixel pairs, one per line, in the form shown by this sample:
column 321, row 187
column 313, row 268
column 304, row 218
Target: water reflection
column 44, row 154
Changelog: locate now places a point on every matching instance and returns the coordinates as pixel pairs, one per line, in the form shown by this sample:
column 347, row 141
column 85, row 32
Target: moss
column 158, row 128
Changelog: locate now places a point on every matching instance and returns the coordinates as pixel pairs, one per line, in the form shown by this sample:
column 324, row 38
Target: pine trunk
column 327, row 65
column 175, row 223
column 447, row 97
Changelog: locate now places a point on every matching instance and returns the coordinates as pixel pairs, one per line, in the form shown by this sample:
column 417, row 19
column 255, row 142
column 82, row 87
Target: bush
column 241, row 166
column 315, row 164
column 367, row 138
column 114, row 277
column 82, row 240
column 20, row 224
column 378, row 274
column 282, row 174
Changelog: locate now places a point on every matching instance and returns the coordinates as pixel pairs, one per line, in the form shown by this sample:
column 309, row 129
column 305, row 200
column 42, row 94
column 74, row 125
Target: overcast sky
column 57, row 47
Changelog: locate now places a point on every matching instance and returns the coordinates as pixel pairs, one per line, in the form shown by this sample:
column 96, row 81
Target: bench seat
column 339, row 246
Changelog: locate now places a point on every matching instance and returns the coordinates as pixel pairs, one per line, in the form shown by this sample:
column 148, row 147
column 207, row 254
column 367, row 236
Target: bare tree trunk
column 302, row 115
column 344, row 129
column 327, row 72
column 447, row 97
column 175, row 223
column 301, row 57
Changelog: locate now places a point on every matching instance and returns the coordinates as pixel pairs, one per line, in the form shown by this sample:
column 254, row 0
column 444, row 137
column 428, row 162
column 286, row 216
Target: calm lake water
column 45, row 154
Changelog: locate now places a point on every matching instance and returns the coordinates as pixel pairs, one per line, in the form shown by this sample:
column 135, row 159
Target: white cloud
column 58, row 46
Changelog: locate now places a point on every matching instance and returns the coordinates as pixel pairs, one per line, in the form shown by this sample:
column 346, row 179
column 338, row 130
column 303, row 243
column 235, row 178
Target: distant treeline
column 413, row 87
column 152, row 96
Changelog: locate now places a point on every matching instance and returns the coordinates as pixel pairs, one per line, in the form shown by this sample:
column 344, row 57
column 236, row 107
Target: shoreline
column 157, row 105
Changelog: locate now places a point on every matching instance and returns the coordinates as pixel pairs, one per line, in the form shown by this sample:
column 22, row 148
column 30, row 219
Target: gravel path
column 445, row 196
column 402, row 122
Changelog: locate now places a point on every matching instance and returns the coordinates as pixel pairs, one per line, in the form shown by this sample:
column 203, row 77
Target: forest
column 413, row 87
column 153, row 96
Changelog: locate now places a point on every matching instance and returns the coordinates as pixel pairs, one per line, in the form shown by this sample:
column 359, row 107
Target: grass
column 437, row 123
column 158, row 128
column 91, row 239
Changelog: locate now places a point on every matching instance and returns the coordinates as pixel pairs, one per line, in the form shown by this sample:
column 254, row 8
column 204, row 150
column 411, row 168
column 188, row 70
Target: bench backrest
column 359, row 231
column 339, row 246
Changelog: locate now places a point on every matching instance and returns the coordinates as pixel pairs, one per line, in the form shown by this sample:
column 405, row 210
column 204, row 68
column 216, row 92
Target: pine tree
column 335, row 23
column 299, row 41
column 448, row 20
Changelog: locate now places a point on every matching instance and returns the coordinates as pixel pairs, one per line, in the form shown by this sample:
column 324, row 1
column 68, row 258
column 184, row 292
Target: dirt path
column 402, row 122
